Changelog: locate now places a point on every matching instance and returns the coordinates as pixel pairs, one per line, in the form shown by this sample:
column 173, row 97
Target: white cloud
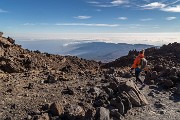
column 86, row 24
column 154, row 5
column 122, row 18
column 170, row 18
column 93, row 2
column 147, row 19
column 98, row 10
column 83, row 17
column 172, row 9
column 163, row 5
column 114, row 3
column 104, row 5
column 3, row 11
column 107, row 25
column 118, row 2
column 28, row 24
column 131, row 38
column 175, row 2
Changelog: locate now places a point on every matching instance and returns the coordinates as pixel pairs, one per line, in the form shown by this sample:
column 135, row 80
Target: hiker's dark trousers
column 137, row 74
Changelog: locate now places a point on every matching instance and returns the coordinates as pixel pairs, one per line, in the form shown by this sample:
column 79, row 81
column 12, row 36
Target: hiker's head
column 142, row 51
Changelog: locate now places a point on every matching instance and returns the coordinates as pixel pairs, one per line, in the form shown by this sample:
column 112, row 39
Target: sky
column 55, row 19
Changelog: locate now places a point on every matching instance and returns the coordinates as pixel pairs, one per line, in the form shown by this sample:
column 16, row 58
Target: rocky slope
column 164, row 64
column 42, row 86
column 163, row 82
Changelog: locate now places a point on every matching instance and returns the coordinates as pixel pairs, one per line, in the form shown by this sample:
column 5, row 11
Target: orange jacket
column 137, row 60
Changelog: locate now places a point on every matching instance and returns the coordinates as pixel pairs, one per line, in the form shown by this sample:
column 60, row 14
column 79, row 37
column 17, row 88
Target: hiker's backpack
column 143, row 63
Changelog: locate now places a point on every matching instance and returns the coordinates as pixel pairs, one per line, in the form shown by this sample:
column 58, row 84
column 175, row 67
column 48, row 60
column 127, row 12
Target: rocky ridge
column 164, row 64
column 42, row 86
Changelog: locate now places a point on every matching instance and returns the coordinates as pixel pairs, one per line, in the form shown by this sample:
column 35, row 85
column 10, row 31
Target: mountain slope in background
column 99, row 51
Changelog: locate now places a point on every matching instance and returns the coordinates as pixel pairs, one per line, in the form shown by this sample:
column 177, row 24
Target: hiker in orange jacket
column 136, row 65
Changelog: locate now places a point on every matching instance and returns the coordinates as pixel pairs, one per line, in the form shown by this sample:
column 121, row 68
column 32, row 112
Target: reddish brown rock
column 56, row 108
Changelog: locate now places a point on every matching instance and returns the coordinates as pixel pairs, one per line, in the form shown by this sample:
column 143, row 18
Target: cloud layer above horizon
column 90, row 16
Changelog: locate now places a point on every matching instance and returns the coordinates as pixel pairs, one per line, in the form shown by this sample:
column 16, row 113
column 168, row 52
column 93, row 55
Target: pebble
column 29, row 117
column 152, row 94
column 162, row 112
column 178, row 111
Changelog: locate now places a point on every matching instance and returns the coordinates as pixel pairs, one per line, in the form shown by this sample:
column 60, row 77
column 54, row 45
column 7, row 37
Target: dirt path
column 163, row 105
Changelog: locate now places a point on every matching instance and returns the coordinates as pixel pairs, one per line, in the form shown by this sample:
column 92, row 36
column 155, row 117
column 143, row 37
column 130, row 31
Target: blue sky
column 42, row 17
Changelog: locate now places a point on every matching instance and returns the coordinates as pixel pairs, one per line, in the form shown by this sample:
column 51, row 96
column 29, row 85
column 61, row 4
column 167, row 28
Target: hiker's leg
column 137, row 73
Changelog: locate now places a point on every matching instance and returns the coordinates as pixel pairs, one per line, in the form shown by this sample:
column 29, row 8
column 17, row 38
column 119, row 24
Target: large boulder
column 126, row 101
column 134, row 94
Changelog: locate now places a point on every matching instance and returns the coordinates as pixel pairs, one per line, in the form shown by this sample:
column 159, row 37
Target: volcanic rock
column 56, row 108
column 102, row 114
column 135, row 96
column 11, row 40
column 73, row 112
column 50, row 79
column 115, row 114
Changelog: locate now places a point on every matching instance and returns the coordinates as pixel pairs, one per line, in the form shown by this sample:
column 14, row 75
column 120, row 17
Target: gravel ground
column 163, row 105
